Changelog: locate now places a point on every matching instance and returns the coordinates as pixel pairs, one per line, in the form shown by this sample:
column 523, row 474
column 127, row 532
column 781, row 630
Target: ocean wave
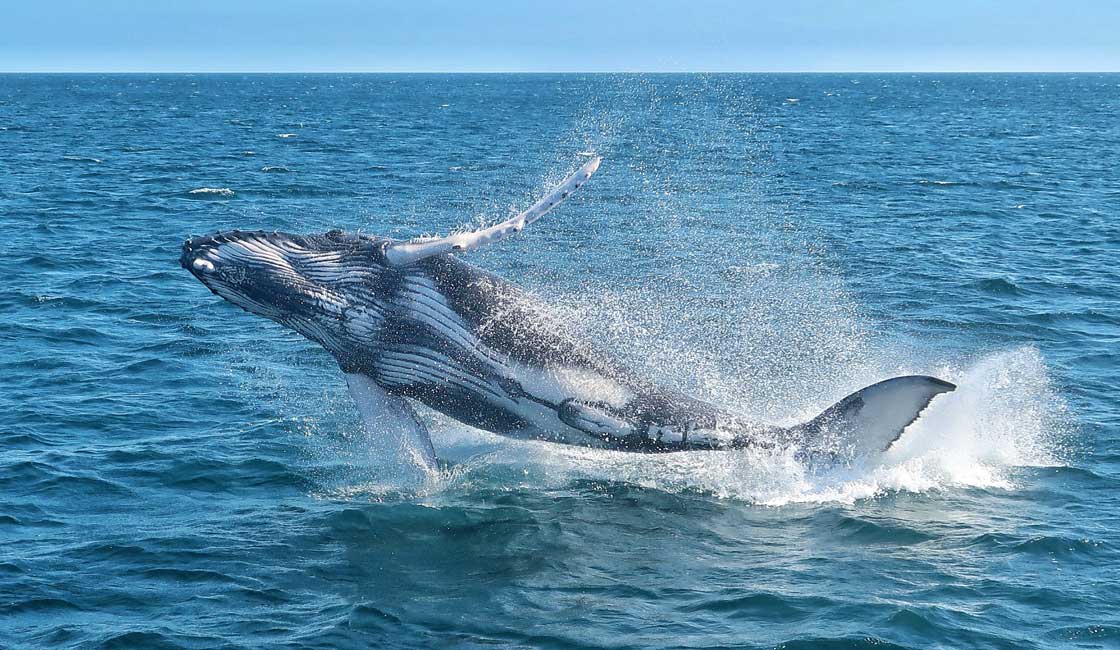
column 275, row 169
column 39, row 606
column 297, row 190
column 864, row 531
column 223, row 192
column 85, row 159
column 181, row 576
column 1100, row 636
column 998, row 286
column 831, row 643
column 1041, row 545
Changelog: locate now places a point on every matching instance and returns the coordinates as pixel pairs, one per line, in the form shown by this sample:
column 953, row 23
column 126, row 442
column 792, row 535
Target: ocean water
column 176, row 473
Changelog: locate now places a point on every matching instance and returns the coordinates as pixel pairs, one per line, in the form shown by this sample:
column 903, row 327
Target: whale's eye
column 202, row 265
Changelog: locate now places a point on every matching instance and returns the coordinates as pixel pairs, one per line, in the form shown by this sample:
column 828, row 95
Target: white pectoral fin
column 409, row 252
column 392, row 422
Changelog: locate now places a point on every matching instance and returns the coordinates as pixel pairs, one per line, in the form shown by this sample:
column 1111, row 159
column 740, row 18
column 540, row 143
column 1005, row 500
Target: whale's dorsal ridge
column 409, row 252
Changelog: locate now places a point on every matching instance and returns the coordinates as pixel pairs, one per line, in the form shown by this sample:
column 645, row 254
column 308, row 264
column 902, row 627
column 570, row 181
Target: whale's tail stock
column 868, row 421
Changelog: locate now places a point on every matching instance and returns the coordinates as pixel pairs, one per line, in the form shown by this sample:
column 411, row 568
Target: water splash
column 741, row 308
column 1005, row 414
column 770, row 332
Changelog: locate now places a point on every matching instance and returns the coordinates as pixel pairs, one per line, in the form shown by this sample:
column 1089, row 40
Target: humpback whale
column 410, row 321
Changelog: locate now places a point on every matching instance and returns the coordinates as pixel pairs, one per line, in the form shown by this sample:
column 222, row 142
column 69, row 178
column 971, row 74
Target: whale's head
column 323, row 286
column 335, row 288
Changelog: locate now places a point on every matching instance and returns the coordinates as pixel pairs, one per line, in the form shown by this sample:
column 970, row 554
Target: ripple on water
column 998, row 286
column 1041, row 545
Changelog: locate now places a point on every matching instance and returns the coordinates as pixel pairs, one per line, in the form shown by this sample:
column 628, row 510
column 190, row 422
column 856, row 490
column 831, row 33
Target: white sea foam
column 213, row 191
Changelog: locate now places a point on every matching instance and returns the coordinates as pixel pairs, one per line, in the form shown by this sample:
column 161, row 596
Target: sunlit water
column 177, row 473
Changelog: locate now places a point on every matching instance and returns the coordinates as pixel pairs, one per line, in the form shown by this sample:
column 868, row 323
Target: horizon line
column 546, row 72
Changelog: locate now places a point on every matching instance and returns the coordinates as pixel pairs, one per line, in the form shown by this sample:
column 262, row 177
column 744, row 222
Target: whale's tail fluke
column 868, row 421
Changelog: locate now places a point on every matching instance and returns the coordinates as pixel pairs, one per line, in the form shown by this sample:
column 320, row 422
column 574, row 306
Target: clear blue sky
column 584, row 35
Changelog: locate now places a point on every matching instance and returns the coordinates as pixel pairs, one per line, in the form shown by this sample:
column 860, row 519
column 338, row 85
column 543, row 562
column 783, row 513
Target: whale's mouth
column 261, row 272
column 203, row 253
column 196, row 253
column 309, row 283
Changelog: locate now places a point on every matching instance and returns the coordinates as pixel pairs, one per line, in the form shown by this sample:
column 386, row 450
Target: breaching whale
column 410, row 321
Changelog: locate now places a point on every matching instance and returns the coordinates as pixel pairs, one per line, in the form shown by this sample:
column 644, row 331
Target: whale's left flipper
column 869, row 421
column 409, row 252
column 392, row 422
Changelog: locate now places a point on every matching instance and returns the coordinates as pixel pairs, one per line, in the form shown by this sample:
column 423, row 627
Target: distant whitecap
column 213, row 191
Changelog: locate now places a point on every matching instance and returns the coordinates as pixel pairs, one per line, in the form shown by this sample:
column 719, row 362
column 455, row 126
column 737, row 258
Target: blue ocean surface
column 177, row 473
